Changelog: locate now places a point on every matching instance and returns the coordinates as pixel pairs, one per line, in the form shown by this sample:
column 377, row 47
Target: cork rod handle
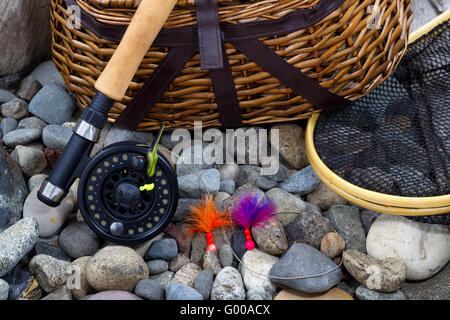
column 142, row 31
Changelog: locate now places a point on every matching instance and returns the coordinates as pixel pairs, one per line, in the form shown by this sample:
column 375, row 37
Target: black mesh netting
column 396, row 140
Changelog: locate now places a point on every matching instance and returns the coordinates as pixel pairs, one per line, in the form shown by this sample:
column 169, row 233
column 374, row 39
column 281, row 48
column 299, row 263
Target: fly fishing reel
column 115, row 199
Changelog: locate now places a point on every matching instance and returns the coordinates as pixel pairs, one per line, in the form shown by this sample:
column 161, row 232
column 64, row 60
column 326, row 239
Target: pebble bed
column 316, row 232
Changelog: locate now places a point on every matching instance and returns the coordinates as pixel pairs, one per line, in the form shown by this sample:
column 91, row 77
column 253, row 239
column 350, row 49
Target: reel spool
column 111, row 202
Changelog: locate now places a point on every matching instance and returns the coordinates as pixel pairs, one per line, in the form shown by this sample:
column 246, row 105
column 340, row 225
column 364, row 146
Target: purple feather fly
column 252, row 212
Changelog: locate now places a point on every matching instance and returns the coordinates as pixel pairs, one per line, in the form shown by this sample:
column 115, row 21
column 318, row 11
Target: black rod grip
column 77, row 150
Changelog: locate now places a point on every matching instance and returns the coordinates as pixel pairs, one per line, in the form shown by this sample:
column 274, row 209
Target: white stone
column 424, row 248
column 255, row 268
column 49, row 219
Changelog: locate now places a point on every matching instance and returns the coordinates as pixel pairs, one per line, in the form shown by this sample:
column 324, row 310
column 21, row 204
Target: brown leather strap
column 209, row 35
column 155, row 86
column 184, row 41
column 289, row 75
column 291, row 22
column 226, row 96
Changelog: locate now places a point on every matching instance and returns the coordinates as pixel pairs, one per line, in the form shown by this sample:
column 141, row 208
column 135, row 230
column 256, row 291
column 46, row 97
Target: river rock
column 32, row 123
column 26, row 29
column 178, row 262
column 260, row 262
column 178, row 291
column 195, row 185
column 119, row 295
column 211, row 262
column 117, row 134
column 303, row 260
column 50, row 250
column 204, row 282
column 368, row 217
column 332, row 245
column 13, row 191
column 252, row 175
column 228, row 285
column 238, row 243
column 60, row 294
column 286, row 203
column 258, row 293
column 6, row 96
column 163, row 278
column 184, row 208
column 149, row 289
column 424, row 248
column 291, row 144
column 271, row 238
column 324, row 197
column 17, row 280
column 434, row 288
column 157, row 267
column 187, row 274
column 228, row 186
column 302, row 182
column 229, row 171
column 21, row 137
column 53, row 104
column 36, row 181
column 4, row 290
column 166, row 249
column 347, row 222
column 16, row 109
column 308, row 228
column 56, row 136
column 226, row 255
column 28, row 88
column 116, row 268
column 50, row 219
column 46, row 73
column 78, row 240
column 387, row 275
column 16, row 242
column 51, row 273
column 7, row 125
column 333, row 294
column 32, row 161
column 362, row 293
column 82, row 288
column 193, row 159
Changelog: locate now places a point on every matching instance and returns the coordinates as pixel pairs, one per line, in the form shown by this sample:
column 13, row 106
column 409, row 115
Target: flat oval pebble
column 21, row 137
column 178, row 291
column 116, row 268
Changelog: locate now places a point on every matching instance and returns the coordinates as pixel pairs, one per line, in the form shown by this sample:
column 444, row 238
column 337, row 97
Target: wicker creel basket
column 348, row 51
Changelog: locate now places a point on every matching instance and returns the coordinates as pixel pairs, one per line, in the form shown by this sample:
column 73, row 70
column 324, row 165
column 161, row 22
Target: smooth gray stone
column 149, row 289
column 53, row 104
column 56, row 136
column 302, row 182
column 362, row 293
column 7, row 125
column 304, row 260
column 21, row 137
column 178, row 291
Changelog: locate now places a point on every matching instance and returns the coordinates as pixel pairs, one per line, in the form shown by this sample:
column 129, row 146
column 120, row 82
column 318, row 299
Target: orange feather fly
column 206, row 217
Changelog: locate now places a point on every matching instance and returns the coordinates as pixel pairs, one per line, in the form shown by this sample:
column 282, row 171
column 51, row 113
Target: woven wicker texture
column 342, row 52
column 135, row 3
